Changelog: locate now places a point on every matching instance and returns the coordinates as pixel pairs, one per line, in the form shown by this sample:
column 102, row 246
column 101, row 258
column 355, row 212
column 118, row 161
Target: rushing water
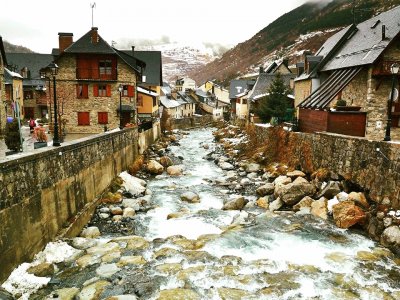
column 201, row 255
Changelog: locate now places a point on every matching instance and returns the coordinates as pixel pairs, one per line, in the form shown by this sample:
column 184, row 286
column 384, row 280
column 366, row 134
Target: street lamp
column 394, row 69
column 54, row 70
column 120, row 88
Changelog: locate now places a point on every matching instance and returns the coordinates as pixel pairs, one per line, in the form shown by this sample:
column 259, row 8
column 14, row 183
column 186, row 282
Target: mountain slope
column 11, row 48
column 304, row 28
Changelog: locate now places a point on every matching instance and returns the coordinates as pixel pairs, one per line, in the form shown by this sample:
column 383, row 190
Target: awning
column 329, row 89
column 126, row 108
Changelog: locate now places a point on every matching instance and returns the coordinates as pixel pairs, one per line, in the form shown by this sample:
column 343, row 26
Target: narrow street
column 201, row 249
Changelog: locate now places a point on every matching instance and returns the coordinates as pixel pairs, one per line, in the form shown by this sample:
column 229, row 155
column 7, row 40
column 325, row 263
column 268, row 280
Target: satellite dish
column 395, row 95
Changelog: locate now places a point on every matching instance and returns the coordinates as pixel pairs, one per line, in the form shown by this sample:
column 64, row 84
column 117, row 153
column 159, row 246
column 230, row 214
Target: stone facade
column 356, row 91
column 356, row 159
column 2, row 97
column 41, row 193
column 302, row 91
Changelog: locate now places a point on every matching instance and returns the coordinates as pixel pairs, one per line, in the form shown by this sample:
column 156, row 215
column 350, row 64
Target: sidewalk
column 28, row 143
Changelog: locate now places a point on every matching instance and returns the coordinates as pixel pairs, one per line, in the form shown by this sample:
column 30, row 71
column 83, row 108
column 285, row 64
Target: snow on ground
column 132, row 184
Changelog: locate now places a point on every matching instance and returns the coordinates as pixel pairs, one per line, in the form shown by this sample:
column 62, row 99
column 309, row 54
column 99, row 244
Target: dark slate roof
column 128, row 59
column 242, row 85
column 33, row 61
column 2, row 51
column 85, row 45
column 153, row 70
column 365, row 45
column 185, row 97
column 329, row 89
column 264, row 81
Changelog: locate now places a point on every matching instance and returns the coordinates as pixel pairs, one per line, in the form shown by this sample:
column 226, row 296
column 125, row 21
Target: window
column 102, row 117
column 128, row 91
column 83, row 118
column 82, row 91
column 102, row 90
column 140, row 100
column 105, row 67
column 154, row 101
column 244, row 101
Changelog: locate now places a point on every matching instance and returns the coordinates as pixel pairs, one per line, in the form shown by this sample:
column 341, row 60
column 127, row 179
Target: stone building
column 88, row 81
column 354, row 66
column 3, row 63
column 14, row 105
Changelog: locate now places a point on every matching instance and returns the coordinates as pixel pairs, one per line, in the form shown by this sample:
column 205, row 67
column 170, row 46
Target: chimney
column 261, row 70
column 133, row 51
column 383, row 32
column 95, row 35
column 65, row 40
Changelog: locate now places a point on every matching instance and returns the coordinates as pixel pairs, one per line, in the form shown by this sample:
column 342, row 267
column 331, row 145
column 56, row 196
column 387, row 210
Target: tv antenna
column 92, row 5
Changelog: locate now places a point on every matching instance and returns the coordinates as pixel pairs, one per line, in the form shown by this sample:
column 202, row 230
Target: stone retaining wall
column 372, row 165
column 40, row 194
column 194, row 121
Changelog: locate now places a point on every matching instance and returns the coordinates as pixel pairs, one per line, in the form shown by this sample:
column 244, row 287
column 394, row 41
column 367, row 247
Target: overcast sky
column 35, row 24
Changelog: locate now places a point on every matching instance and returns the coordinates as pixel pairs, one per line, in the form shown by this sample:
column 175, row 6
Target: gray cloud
column 217, row 49
column 127, row 43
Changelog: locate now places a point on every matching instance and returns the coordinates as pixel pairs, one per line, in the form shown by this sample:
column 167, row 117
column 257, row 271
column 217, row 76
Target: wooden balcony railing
column 96, row 74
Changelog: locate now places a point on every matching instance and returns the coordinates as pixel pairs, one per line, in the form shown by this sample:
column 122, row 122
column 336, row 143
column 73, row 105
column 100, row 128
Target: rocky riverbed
column 196, row 222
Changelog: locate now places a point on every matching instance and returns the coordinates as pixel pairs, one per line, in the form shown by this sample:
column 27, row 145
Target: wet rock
column 122, row 297
column 93, row 291
column 294, row 174
column 83, row 243
column 266, row 189
column 276, row 204
column 65, row 293
column 347, row 214
column 245, row 182
column 153, row 167
column 235, row 204
column 187, row 244
column 116, row 210
column 136, row 204
column 175, row 170
column 165, row 252
column 282, row 180
column 330, row 190
column 231, row 293
column 104, row 210
column 198, row 256
column 166, row 161
column 178, row 294
column 111, row 257
column 87, row 260
column 104, row 216
column 292, row 193
column 263, row 202
column 128, row 212
column 226, row 166
column 305, row 202
column 231, row 175
column 359, row 199
column 319, row 208
column 131, row 260
column 252, row 167
column 190, row 197
column 107, row 270
column 189, row 272
column 391, row 238
column 103, row 249
column 366, row 256
column 252, row 176
column 170, row 268
column 42, row 270
column 133, row 242
column 90, row 232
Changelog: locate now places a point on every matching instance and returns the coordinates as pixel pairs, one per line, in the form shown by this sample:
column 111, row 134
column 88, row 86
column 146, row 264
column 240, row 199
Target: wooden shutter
column 85, row 91
column 83, row 118
column 108, row 90
column 102, row 117
column 131, row 91
column 95, row 90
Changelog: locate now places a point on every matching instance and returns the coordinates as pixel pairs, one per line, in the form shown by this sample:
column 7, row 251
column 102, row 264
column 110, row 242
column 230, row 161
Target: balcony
column 96, row 74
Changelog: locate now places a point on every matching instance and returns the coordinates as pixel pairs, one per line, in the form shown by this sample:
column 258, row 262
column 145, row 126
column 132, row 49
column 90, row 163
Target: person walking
column 32, row 124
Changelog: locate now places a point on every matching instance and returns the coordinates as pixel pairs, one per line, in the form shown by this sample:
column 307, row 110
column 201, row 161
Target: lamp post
column 54, row 70
column 394, row 69
column 120, row 88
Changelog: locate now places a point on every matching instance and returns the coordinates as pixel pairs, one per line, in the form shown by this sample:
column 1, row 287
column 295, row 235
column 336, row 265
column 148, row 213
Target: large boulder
column 153, row 167
column 359, row 199
column 226, row 166
column 190, row 197
column 303, row 203
column 391, row 238
column 319, row 208
column 175, row 170
column 90, row 232
column 294, row 174
column 276, row 204
column 330, row 190
column 252, row 167
column 347, row 214
column 266, row 189
column 292, row 193
column 166, row 161
column 282, row 180
column 235, row 204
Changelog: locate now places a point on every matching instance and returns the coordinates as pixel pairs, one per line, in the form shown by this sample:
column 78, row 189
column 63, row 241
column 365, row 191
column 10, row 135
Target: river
column 209, row 253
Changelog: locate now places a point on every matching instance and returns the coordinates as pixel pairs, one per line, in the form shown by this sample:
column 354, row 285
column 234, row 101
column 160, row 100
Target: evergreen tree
column 275, row 103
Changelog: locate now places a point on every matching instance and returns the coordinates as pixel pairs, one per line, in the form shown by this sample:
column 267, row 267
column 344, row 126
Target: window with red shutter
column 102, row 117
column 82, row 91
column 83, row 118
column 131, row 91
column 95, row 90
column 108, row 90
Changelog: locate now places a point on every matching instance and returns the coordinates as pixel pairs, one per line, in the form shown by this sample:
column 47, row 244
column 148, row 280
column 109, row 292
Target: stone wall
column 194, row 121
column 41, row 193
column 148, row 137
column 356, row 159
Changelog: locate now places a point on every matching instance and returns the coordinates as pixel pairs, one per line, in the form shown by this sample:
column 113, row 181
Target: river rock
column 176, row 170
column 153, row 167
column 129, row 212
column 266, row 189
column 231, row 175
column 226, row 166
column 294, row 174
column 231, row 293
column 166, row 161
column 359, row 199
column 282, row 180
column 319, row 208
column 330, row 190
column 347, row 214
column 245, row 181
column 41, row 270
column 276, row 204
column 87, row 260
column 83, row 243
column 122, row 297
column 305, row 202
column 65, row 293
column 93, row 291
column 263, row 202
column 107, row 270
column 235, row 204
column 292, row 193
column 90, row 232
column 116, row 210
column 391, row 238
column 178, row 294
column 131, row 260
column 190, row 197
column 252, row 167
